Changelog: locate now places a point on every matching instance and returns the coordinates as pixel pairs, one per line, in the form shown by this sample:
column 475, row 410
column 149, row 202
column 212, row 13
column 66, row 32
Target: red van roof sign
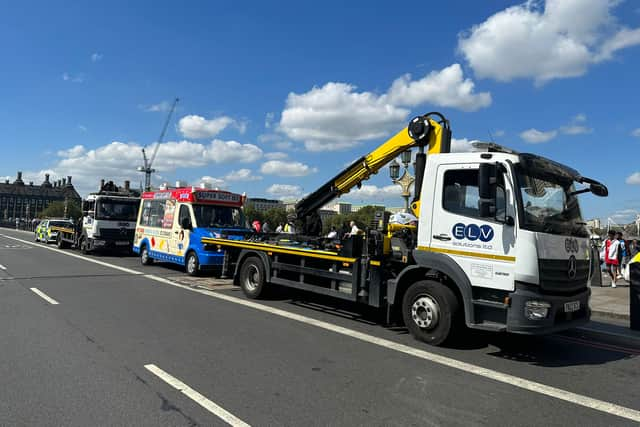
column 196, row 196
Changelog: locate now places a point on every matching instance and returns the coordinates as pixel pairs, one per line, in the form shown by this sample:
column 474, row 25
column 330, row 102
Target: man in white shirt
column 354, row 229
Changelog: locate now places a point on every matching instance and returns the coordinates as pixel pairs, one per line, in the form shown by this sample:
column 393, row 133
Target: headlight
column 536, row 310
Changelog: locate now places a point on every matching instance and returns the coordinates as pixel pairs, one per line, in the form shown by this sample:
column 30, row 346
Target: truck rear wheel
column 253, row 277
column 430, row 311
column 145, row 258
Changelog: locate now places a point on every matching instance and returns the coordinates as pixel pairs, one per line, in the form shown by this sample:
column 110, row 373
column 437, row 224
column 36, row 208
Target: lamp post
column 406, row 180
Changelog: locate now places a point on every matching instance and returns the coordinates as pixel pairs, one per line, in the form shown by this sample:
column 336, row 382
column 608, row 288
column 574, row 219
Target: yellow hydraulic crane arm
column 422, row 131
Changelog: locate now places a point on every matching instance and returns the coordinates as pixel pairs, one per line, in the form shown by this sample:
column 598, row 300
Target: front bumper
column 97, row 243
column 556, row 320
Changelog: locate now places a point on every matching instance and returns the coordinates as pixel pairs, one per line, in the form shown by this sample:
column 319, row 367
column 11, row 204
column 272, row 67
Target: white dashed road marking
column 44, row 296
column 201, row 400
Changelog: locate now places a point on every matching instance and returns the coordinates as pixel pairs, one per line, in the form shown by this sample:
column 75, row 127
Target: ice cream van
column 172, row 222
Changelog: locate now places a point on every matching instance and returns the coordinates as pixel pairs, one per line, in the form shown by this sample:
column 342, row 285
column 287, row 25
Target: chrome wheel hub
column 253, row 278
column 425, row 311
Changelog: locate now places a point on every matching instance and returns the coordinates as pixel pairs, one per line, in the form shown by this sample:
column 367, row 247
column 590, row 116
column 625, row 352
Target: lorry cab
column 172, row 222
column 108, row 221
column 509, row 227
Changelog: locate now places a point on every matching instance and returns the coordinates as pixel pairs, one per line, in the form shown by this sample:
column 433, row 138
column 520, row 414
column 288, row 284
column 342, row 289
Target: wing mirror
column 487, row 188
column 598, row 189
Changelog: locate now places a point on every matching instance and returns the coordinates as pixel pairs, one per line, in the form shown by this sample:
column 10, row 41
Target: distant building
column 263, row 205
column 358, row 207
column 342, row 208
column 594, row 223
column 26, row 201
column 325, row 214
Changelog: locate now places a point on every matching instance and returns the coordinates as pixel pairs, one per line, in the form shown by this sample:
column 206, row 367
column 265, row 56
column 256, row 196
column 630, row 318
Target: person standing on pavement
column 622, row 254
column 266, row 228
column 611, row 246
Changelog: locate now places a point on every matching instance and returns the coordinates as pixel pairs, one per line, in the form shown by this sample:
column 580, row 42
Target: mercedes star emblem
column 572, row 267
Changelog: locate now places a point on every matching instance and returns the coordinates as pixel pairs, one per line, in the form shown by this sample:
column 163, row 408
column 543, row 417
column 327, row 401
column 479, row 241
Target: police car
column 45, row 234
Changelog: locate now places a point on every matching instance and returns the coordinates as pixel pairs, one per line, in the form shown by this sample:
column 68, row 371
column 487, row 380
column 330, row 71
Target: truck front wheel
column 430, row 311
column 252, row 277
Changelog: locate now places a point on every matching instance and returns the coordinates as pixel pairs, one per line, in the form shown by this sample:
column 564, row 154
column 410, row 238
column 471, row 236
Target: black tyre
column 60, row 243
column 192, row 264
column 431, row 312
column 253, row 277
column 145, row 258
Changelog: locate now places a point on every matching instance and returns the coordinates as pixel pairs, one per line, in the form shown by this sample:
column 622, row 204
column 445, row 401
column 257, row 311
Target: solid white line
column 567, row 396
column 44, row 296
column 201, row 400
column 71, row 254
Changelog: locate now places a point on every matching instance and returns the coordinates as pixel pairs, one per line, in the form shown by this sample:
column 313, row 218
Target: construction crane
column 148, row 162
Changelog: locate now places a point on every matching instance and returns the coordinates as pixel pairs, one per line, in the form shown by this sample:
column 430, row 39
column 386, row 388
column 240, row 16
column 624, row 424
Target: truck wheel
column 253, row 277
column 430, row 311
column 145, row 258
column 192, row 264
column 60, row 243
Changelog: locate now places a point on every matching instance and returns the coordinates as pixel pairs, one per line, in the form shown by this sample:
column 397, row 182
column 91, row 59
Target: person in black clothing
column 313, row 225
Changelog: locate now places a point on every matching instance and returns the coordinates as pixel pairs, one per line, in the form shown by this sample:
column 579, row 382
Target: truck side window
column 460, row 192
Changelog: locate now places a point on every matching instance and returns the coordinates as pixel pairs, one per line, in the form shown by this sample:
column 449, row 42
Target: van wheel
column 430, row 311
column 145, row 258
column 252, row 277
column 192, row 264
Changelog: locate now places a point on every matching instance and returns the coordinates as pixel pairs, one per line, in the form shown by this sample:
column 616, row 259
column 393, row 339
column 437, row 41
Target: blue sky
column 277, row 98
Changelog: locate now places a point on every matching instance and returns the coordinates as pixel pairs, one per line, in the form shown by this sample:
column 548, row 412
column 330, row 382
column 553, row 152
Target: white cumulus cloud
column 535, row 136
column 633, row 179
column 197, row 127
column 285, row 191
column 276, row 155
column 337, row 116
column 283, row 168
column 444, row 88
column 545, row 40
column 232, row 151
column 373, row 192
column 242, row 175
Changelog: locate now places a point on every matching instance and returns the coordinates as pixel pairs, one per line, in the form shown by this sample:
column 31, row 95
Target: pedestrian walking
column 622, row 254
column 255, row 226
column 333, row 234
column 266, row 228
column 633, row 248
column 611, row 246
column 280, row 228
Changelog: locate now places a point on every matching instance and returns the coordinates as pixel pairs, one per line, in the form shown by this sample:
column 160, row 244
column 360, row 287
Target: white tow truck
column 500, row 244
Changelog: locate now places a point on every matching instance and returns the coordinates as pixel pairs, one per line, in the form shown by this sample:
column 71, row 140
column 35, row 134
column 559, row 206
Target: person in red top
column 611, row 248
column 256, row 226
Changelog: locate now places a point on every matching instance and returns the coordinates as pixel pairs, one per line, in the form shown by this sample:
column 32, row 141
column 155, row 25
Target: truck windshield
column 118, row 210
column 548, row 204
column 218, row 216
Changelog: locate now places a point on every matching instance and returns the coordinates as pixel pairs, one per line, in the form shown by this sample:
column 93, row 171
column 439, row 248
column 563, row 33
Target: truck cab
column 507, row 228
column 108, row 222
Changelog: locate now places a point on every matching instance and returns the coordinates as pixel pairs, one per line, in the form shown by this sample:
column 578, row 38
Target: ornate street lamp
column 406, row 180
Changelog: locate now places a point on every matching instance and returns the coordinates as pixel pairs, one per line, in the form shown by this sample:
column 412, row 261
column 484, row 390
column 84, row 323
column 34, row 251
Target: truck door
column 180, row 236
column 483, row 247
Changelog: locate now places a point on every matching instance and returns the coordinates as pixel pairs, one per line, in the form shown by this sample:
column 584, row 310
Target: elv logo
column 472, row 232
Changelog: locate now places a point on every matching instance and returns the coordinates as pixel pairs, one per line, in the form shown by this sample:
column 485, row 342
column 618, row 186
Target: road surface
column 102, row 340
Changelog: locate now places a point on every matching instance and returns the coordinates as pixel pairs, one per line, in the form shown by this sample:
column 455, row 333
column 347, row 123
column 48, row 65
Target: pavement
column 102, row 340
column 611, row 304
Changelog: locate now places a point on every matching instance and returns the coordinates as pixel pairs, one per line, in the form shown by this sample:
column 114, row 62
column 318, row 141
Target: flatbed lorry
column 500, row 243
